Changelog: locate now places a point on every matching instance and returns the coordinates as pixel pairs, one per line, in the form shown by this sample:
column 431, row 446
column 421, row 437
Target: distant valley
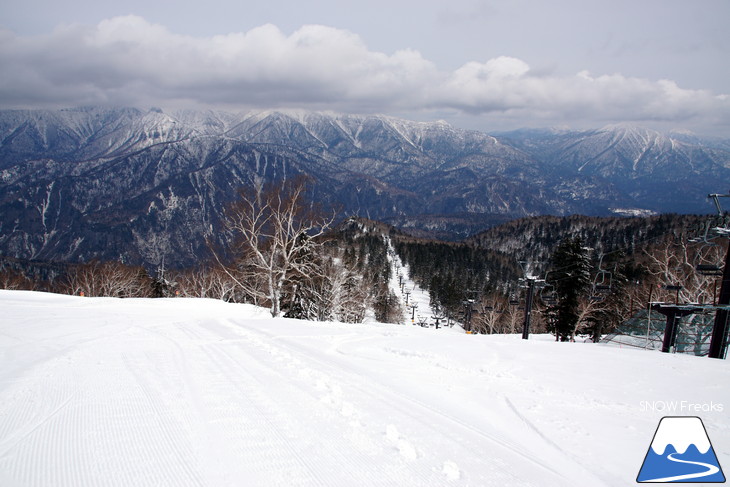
column 149, row 187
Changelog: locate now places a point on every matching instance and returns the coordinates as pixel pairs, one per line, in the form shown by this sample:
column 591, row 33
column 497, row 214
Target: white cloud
column 127, row 60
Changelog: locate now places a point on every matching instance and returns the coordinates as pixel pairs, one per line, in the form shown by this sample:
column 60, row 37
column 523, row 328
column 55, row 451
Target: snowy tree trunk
column 275, row 230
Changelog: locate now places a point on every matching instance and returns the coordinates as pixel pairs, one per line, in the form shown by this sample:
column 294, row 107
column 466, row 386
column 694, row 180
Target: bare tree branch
column 276, row 234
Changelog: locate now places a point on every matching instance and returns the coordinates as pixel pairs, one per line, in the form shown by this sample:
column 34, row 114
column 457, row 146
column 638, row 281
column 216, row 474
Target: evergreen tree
column 388, row 308
column 571, row 278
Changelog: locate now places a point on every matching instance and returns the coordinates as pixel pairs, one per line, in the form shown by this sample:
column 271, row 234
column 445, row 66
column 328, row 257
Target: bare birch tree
column 488, row 315
column 512, row 319
column 587, row 309
column 275, row 229
column 10, row 279
column 335, row 292
column 110, row 279
column 206, row 282
column 673, row 263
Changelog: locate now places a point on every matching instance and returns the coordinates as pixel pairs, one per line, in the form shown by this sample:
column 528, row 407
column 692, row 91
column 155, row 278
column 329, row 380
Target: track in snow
column 182, row 392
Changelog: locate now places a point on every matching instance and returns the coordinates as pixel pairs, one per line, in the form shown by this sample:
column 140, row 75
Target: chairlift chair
column 705, row 233
column 708, row 270
column 722, row 227
column 547, row 295
column 701, row 232
column 704, row 264
column 602, row 281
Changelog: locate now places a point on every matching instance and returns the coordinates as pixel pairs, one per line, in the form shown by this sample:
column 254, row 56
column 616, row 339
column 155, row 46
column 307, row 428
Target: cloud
column 130, row 61
column 126, row 58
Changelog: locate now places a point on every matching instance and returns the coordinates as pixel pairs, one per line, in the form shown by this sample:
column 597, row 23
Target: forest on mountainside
column 626, row 262
column 532, row 239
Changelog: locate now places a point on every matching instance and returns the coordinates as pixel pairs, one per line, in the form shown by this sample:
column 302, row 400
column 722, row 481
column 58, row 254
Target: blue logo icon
column 681, row 452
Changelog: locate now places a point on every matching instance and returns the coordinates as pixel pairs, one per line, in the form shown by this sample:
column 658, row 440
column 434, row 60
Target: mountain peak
column 110, row 175
column 629, row 128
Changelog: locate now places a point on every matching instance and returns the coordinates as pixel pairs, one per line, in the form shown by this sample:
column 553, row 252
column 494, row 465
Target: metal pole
column 670, row 332
column 648, row 321
column 674, row 314
column 718, row 342
column 467, row 318
column 528, row 308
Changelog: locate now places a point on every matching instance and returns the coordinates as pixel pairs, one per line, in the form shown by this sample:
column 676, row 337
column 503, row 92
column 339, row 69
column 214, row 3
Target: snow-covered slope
column 409, row 293
column 102, row 392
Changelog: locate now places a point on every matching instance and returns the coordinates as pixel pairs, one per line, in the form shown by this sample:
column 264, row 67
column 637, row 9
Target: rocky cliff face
column 149, row 187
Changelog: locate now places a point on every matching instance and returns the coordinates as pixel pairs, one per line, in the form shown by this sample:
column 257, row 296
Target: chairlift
column 722, row 227
column 599, row 293
column 602, row 288
column 704, row 262
column 703, row 233
column 603, row 280
column 697, row 230
column 716, row 199
column 708, row 270
column 547, row 295
column 714, row 227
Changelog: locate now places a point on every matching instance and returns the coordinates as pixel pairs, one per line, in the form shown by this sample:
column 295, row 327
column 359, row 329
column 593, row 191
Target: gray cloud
column 128, row 60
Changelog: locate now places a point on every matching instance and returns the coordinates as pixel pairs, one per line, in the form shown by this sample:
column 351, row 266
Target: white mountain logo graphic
column 681, row 452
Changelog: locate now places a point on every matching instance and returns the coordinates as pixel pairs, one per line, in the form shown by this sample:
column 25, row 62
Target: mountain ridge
column 93, row 181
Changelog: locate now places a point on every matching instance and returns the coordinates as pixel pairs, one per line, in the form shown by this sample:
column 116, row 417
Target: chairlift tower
column 468, row 311
column 438, row 315
column 414, row 307
column 718, row 342
column 674, row 313
column 531, row 283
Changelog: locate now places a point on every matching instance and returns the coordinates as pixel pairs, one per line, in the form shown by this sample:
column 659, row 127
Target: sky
column 484, row 64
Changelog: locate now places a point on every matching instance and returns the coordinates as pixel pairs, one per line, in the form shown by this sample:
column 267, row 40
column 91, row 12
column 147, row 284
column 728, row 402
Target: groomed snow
column 178, row 392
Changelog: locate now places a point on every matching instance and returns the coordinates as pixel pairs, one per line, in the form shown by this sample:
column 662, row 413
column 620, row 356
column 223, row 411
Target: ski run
column 193, row 392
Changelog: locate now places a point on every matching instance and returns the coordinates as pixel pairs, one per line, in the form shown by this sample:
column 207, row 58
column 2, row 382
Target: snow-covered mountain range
column 141, row 185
